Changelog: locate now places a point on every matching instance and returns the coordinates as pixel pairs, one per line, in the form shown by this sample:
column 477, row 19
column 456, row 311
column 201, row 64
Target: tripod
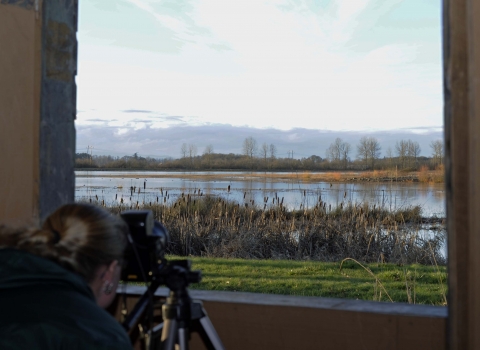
column 181, row 315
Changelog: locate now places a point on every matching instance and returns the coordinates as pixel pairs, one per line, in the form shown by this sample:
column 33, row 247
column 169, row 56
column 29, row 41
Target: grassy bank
column 415, row 283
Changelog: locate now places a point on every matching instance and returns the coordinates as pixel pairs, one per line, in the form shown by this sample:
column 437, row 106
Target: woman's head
column 81, row 237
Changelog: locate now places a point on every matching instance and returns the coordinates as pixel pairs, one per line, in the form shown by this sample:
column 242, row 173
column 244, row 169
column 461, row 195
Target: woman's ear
column 110, row 271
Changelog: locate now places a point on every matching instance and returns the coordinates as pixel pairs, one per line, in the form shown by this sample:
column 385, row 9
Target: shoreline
column 384, row 176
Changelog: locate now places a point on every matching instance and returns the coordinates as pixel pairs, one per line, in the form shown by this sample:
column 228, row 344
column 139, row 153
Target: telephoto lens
column 147, row 242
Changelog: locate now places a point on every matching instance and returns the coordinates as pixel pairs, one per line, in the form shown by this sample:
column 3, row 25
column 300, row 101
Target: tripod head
column 176, row 275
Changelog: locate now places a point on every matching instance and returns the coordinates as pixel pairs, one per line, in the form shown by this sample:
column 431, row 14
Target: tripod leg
column 169, row 334
column 183, row 338
column 209, row 334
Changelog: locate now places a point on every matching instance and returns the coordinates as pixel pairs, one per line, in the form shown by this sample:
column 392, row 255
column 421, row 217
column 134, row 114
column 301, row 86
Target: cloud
column 136, row 111
column 302, row 64
column 154, row 142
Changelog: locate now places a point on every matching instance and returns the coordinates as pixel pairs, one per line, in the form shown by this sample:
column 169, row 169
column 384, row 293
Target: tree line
column 340, row 155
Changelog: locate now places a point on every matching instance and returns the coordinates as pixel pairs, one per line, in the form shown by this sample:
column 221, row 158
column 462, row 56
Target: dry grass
column 212, row 227
column 307, row 177
column 431, row 176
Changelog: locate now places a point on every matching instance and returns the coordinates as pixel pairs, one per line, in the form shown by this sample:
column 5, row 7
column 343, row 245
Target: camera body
column 147, row 241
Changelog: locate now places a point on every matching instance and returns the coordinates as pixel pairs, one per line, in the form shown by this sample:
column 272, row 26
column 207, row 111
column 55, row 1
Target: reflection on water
column 392, row 196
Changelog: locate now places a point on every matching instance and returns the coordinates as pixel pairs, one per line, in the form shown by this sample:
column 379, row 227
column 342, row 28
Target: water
column 243, row 189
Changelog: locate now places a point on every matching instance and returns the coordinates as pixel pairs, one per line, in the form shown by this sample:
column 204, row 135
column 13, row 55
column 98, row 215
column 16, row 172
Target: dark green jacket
column 44, row 306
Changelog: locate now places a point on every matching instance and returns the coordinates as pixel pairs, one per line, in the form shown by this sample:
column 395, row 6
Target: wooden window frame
column 44, row 31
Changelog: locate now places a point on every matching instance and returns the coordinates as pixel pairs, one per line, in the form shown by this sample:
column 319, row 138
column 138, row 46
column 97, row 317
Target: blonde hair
column 80, row 237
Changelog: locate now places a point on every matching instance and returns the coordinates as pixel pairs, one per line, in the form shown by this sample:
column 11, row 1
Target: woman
column 55, row 281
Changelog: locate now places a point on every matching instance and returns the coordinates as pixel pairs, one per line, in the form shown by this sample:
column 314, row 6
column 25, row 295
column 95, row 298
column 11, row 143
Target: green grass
column 425, row 284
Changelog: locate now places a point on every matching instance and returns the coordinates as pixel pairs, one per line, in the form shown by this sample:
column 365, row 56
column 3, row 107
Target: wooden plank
column 457, row 167
column 20, row 63
column 473, row 198
column 259, row 321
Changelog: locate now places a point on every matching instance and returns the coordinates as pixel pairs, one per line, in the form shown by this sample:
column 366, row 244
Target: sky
column 155, row 74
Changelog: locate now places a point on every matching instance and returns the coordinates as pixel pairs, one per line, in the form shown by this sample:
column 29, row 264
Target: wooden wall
column 259, row 321
column 37, row 107
column 20, row 65
column 462, row 126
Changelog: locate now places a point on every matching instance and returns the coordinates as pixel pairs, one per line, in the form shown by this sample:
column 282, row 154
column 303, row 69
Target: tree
column 184, row 150
column 413, row 151
column 264, row 152
column 207, row 154
column 401, row 147
column 437, row 152
column 339, row 151
column 273, row 151
column 192, row 152
column 250, row 147
column 208, row 150
column 345, row 151
column 368, row 150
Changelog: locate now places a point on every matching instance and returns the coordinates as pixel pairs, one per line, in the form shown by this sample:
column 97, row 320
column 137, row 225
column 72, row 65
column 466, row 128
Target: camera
column 145, row 262
column 147, row 241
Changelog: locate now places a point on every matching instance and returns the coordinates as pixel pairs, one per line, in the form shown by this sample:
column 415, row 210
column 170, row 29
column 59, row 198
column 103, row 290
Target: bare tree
column 389, row 155
column 374, row 149
column 345, row 151
column 339, row 151
column 192, row 152
column 437, row 152
column 184, row 150
column 401, row 147
column 334, row 151
column 208, row 150
column 362, row 150
column 250, row 147
column 414, row 151
column 207, row 155
column 273, row 151
column 368, row 150
column 264, row 152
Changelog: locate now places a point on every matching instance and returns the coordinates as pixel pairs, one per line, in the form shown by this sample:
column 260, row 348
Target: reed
column 214, row 227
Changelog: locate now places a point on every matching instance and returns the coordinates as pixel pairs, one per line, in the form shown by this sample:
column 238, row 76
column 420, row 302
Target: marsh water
column 147, row 186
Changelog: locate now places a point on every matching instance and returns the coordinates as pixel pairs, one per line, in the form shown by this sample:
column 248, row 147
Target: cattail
column 244, row 195
column 228, row 189
column 144, row 184
column 116, row 196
